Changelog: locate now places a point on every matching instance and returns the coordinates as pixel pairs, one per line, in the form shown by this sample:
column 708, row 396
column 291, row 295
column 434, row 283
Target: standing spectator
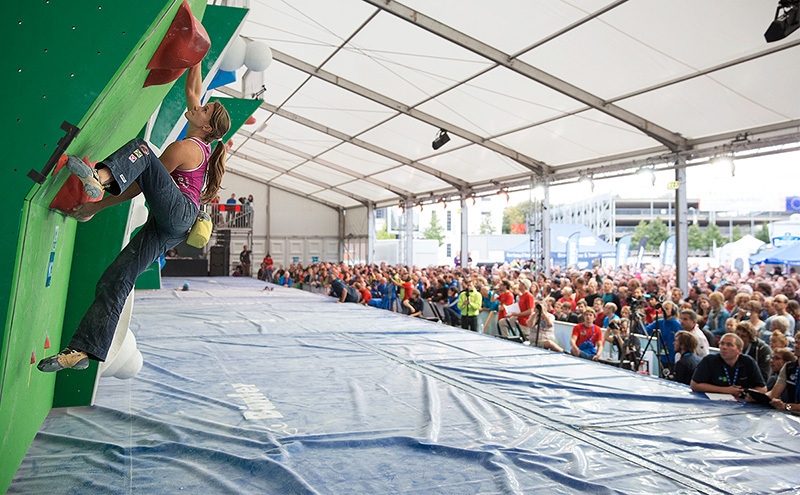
column 469, row 302
column 230, row 206
column 505, row 298
column 244, row 259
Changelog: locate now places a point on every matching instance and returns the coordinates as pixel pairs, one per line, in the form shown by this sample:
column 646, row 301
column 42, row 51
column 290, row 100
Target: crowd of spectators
column 751, row 317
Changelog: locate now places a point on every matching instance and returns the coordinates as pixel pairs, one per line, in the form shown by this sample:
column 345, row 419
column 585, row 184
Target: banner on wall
column 639, row 256
column 623, row 250
column 572, row 249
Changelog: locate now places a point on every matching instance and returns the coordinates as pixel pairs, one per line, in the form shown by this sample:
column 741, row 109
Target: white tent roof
column 526, row 89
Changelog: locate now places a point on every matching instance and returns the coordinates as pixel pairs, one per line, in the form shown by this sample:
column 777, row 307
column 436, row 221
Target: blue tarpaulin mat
column 247, row 391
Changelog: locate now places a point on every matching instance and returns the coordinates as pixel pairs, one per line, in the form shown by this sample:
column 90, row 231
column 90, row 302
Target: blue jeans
column 171, row 216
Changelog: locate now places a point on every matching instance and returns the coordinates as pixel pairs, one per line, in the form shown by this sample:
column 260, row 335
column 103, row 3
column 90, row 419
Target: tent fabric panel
column 577, row 137
column 368, row 190
column 335, row 107
column 687, row 105
column 299, row 136
column 475, row 164
column 409, row 137
column 405, row 62
column 336, row 198
column 358, row 159
column 322, row 173
column 411, row 179
column 295, row 184
column 499, row 101
column 306, row 29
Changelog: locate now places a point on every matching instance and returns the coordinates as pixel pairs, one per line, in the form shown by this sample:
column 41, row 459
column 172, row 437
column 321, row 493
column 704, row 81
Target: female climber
column 173, row 186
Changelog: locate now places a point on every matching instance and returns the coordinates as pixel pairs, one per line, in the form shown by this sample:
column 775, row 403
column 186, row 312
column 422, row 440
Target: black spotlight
column 787, row 20
column 443, row 138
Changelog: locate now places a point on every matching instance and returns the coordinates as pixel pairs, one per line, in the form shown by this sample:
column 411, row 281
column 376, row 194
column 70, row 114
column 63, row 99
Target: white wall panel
column 355, row 222
column 292, row 215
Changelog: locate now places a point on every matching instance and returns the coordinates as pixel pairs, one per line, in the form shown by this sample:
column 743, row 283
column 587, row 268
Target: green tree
column 696, row 239
column 434, row 230
column 383, row 234
column 515, row 214
column 763, row 234
column 655, row 231
column 486, row 224
column 736, row 233
column 712, row 234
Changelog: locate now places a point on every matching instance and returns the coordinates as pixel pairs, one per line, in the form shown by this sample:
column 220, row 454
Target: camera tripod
column 661, row 348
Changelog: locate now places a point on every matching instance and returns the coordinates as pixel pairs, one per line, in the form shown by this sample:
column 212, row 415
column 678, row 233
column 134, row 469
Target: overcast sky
column 767, row 179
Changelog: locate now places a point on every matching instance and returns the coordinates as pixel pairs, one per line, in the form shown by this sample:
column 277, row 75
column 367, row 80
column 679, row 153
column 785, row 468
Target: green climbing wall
column 81, row 62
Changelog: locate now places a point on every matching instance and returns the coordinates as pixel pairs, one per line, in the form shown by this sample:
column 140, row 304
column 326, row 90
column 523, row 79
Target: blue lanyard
column 728, row 376
column 796, row 387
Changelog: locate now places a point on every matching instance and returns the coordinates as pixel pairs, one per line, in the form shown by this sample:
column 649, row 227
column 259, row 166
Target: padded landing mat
column 252, row 391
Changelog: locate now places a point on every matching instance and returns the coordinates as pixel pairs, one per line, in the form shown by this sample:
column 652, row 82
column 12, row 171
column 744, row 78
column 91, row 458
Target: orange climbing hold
column 184, row 45
column 72, row 192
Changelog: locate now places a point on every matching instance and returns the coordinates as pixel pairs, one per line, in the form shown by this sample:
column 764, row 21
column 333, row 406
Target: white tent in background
column 736, row 254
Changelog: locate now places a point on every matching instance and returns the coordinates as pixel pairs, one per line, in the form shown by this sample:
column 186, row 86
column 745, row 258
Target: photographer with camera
column 668, row 326
column 627, row 346
column 541, row 331
column 470, row 302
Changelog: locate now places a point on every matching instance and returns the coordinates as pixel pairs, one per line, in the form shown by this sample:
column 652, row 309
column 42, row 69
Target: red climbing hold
column 184, row 45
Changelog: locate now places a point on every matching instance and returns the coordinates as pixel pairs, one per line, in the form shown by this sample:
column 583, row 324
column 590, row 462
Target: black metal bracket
column 62, row 146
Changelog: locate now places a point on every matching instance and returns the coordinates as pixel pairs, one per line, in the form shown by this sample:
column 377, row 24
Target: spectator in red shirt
column 587, row 338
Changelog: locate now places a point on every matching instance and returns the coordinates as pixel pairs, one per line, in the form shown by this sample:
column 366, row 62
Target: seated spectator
column 365, row 295
column 728, row 372
column 688, row 321
column 413, row 305
column 452, row 314
column 781, row 304
column 780, row 324
column 284, row 278
column 685, row 345
column 787, row 382
column 563, row 311
column 703, row 310
column 599, row 315
column 754, row 347
column 778, row 340
column 779, row 358
column 566, row 296
column 718, row 315
column 587, row 337
column 610, row 313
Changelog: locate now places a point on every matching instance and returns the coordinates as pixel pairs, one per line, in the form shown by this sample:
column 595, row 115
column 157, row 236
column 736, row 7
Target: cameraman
column 628, row 347
column 470, row 302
